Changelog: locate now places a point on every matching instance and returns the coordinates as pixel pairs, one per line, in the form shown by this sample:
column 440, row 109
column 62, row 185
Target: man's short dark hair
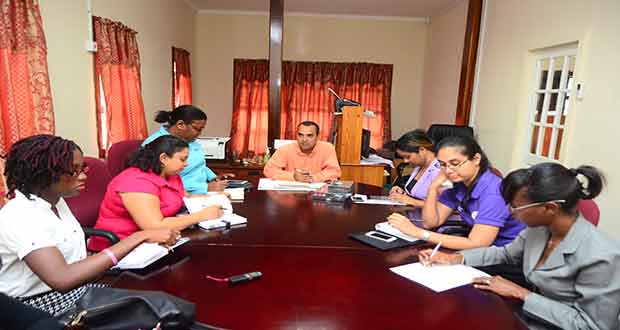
column 309, row 123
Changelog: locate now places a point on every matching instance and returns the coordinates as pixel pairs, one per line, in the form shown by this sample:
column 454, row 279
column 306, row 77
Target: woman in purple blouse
column 416, row 149
column 475, row 196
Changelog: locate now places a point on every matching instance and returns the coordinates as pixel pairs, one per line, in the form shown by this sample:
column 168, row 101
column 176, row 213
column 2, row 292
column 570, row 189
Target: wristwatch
column 426, row 235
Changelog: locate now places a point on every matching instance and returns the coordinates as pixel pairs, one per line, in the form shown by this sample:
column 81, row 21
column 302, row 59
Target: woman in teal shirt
column 187, row 123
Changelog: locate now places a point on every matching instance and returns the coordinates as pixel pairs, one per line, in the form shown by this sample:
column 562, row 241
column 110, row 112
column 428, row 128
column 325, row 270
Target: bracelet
column 111, row 256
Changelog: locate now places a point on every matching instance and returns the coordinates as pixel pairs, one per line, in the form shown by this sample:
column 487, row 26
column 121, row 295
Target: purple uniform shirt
column 420, row 189
column 485, row 206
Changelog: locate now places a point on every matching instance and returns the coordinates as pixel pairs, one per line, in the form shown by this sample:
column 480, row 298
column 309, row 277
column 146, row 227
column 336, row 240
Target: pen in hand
column 430, row 258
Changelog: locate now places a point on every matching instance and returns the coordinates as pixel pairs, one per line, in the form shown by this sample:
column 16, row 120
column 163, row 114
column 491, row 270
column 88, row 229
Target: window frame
column 569, row 54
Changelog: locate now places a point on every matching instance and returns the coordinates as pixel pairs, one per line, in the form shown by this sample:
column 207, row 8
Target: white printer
column 213, row 147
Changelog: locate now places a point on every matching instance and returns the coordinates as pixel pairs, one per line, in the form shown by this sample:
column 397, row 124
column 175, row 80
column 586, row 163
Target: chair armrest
column 110, row 236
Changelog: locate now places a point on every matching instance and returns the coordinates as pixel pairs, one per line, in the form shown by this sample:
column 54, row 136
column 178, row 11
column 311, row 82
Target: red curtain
column 305, row 97
column 250, row 106
column 182, row 78
column 25, row 95
column 120, row 109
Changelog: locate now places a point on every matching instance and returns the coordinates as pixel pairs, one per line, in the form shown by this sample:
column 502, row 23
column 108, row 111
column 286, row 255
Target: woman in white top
column 41, row 243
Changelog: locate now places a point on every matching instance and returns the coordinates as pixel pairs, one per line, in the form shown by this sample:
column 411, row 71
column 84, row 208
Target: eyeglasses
column 452, row 166
column 513, row 209
column 197, row 128
column 84, row 169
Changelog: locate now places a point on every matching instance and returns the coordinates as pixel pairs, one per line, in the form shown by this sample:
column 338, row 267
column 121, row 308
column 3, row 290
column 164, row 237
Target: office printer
column 213, row 147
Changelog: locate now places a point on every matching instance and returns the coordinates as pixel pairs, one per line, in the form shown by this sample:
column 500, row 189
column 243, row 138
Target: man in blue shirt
column 187, row 122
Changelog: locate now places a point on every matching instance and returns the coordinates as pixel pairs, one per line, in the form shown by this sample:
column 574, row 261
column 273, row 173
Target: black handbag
column 118, row 309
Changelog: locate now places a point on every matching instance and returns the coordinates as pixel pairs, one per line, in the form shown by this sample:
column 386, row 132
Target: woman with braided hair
column 572, row 268
column 41, row 243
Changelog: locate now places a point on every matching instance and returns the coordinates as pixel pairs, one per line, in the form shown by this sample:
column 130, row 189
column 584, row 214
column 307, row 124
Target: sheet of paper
column 388, row 229
column 363, row 199
column 235, row 193
column 439, row 278
column 280, row 185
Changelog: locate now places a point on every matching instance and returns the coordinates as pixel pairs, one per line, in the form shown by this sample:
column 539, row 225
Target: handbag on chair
column 117, row 309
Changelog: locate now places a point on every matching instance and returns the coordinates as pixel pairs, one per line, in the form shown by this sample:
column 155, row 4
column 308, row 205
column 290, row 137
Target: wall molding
column 303, row 14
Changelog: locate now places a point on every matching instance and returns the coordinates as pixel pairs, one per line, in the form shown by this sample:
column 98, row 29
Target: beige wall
column 506, row 79
column 221, row 38
column 161, row 24
column 442, row 70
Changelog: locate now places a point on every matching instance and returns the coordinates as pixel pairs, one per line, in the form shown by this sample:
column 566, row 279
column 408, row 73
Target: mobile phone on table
column 381, row 236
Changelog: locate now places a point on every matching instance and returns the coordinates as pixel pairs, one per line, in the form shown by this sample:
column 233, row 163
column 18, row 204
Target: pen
column 435, row 250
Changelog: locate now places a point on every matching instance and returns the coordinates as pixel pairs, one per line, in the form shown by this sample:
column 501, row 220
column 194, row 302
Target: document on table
column 374, row 200
column 439, row 278
column 146, row 254
column 280, row 185
column 236, row 194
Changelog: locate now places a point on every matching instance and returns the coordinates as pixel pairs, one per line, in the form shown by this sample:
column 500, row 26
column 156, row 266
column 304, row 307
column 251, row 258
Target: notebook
column 146, row 254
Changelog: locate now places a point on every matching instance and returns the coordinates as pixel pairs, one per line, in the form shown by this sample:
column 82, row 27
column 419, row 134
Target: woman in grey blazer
column 573, row 268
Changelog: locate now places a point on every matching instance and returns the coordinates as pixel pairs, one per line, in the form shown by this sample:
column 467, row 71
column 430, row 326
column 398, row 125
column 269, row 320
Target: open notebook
column 146, row 254
column 228, row 219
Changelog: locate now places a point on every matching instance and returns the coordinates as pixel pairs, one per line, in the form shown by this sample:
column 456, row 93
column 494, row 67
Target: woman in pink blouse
column 149, row 193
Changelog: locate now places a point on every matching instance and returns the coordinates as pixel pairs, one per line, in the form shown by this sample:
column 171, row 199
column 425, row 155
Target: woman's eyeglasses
column 513, row 209
column 451, row 166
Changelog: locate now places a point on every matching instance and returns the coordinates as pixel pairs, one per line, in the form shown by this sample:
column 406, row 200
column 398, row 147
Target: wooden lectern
column 349, row 148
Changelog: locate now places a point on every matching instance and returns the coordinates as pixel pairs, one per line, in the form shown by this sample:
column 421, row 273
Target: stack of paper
column 146, row 254
column 374, row 159
column 280, row 185
column 439, row 278
column 389, row 229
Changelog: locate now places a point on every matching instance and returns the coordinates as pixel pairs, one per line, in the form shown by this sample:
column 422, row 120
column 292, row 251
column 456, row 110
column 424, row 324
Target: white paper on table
column 281, row 185
column 236, row 193
column 389, row 229
column 363, row 199
column 439, row 278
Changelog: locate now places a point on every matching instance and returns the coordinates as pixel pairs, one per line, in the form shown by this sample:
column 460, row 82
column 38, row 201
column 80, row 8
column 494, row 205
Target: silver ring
column 488, row 282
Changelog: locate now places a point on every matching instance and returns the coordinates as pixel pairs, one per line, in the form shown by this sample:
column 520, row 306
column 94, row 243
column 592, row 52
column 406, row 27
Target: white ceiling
column 398, row 8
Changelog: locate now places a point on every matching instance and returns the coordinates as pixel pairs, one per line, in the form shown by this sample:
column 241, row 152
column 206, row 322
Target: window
column 550, row 103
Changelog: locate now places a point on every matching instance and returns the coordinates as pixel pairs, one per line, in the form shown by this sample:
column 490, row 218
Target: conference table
column 314, row 276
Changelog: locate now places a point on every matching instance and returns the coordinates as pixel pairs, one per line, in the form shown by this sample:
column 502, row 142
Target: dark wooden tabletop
column 314, row 277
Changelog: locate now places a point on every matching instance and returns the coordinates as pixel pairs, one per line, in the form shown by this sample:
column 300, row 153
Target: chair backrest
column 118, row 154
column 589, row 210
column 436, row 132
column 85, row 206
